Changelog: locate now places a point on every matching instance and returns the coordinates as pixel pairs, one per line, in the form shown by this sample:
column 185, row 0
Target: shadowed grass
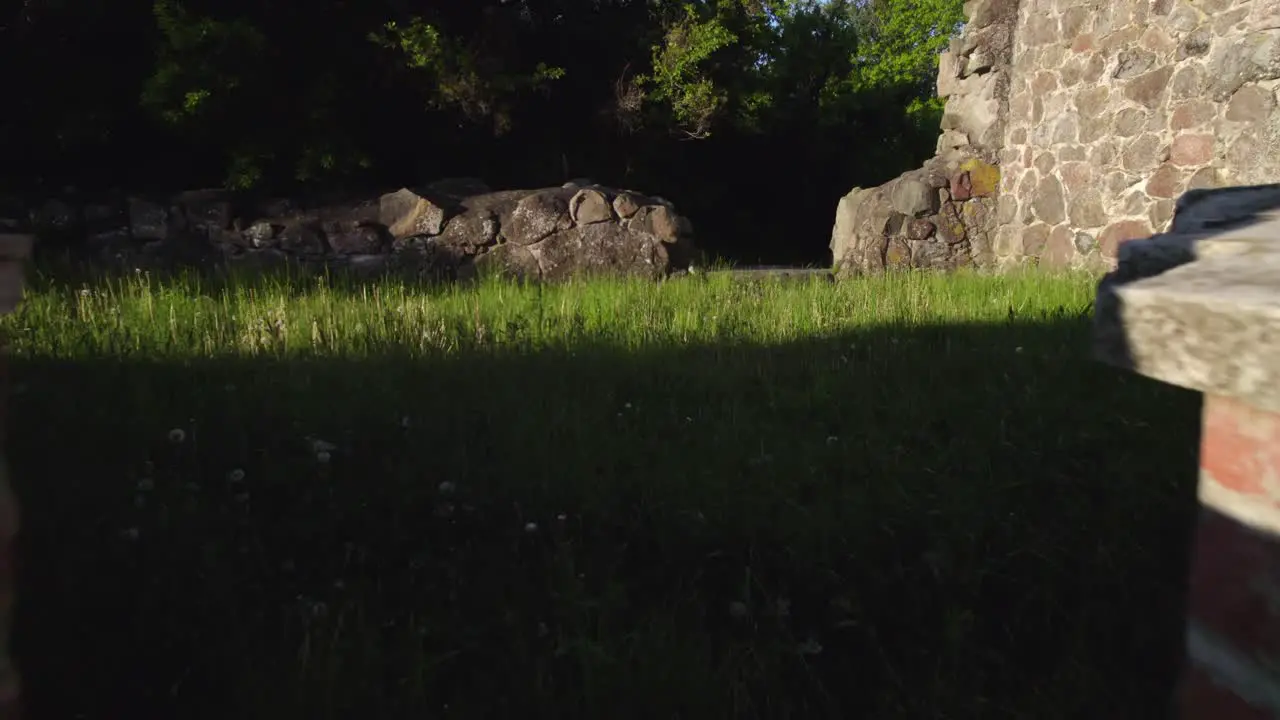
column 908, row 496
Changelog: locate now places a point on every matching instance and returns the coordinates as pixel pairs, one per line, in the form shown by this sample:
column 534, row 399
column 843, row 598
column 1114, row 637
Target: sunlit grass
column 904, row 496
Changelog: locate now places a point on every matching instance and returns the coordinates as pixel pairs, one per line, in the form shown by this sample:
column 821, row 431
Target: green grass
column 913, row 496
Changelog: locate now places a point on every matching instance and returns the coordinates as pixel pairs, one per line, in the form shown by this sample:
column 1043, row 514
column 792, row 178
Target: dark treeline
column 753, row 116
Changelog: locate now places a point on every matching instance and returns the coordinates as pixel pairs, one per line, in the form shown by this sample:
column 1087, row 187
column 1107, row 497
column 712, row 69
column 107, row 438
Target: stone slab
column 1211, row 325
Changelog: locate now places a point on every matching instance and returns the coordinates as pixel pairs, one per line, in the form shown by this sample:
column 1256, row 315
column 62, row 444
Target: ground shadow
column 956, row 521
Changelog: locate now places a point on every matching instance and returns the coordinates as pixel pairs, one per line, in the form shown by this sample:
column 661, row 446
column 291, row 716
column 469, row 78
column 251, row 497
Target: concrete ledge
column 1200, row 308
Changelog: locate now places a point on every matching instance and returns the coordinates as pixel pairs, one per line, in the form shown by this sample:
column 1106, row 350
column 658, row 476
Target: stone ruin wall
column 448, row 230
column 1116, row 108
column 1105, row 112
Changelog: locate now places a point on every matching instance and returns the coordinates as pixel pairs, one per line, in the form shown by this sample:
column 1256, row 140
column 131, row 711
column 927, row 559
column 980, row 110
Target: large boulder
column 938, row 217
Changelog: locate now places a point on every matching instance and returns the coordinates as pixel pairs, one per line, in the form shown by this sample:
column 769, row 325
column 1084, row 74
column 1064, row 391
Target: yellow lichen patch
column 985, row 178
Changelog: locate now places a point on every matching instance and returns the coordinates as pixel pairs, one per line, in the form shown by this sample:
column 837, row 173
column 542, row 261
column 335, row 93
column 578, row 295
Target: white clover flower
column 447, row 488
column 323, row 457
column 562, row 517
column 317, row 444
column 809, row 647
column 235, row 476
column 832, row 439
column 626, row 406
column 177, row 436
column 531, row 527
column 405, row 422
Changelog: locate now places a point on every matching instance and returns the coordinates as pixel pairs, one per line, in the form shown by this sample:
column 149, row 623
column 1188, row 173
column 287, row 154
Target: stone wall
column 942, row 215
column 1117, row 107
column 1196, row 307
column 447, row 230
column 1095, row 115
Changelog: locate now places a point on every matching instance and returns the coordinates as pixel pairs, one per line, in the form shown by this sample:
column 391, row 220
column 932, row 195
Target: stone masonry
column 942, row 215
column 1199, row 307
column 448, row 230
column 1107, row 111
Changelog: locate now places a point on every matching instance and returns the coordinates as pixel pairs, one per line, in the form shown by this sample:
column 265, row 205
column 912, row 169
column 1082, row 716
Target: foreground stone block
column 1200, row 308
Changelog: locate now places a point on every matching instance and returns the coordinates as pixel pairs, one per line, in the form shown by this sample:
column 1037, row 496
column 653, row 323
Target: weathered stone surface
column 913, row 198
column 359, row 240
column 1201, row 310
column 150, row 220
column 539, row 214
column 304, row 238
column 658, row 221
column 1149, row 89
column 473, row 229
column 1117, row 233
column 1253, row 57
column 1193, row 150
column 1165, row 182
column 1060, row 250
column 406, row 213
column 589, row 205
column 1105, row 112
column 1192, row 114
column 1251, row 104
column 204, row 227
column 1034, row 238
column 1086, row 210
column 625, row 204
column 510, row 260
column 1050, row 204
column 599, row 249
column 920, row 230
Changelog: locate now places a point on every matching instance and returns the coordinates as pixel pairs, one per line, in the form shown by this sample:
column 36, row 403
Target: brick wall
column 1233, row 623
column 14, row 250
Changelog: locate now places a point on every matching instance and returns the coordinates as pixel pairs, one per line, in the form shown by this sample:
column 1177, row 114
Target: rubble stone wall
column 1093, row 117
column 1118, row 107
column 448, row 230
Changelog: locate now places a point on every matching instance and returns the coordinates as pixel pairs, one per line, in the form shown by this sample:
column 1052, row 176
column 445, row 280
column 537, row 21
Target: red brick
column 1235, row 584
column 1240, row 446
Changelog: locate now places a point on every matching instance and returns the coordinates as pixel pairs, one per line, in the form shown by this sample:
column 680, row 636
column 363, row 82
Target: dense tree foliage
column 752, row 115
